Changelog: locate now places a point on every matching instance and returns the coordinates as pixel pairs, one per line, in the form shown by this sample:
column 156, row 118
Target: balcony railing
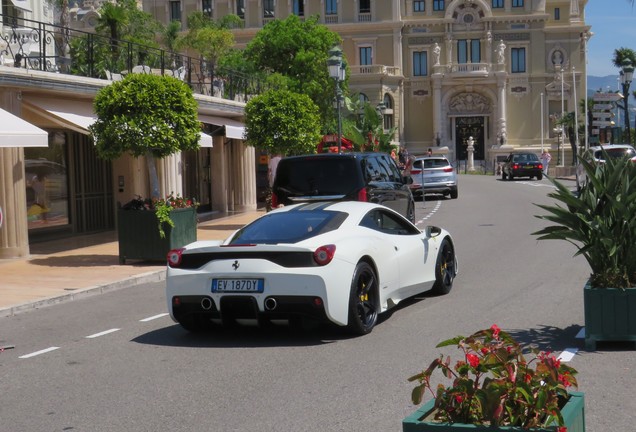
column 375, row 70
column 51, row 48
column 470, row 68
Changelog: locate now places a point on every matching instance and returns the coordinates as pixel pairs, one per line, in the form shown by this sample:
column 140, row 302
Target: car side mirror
column 432, row 231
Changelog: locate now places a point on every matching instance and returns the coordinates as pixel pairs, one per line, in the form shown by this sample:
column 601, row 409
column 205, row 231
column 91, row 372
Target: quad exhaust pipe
column 270, row 303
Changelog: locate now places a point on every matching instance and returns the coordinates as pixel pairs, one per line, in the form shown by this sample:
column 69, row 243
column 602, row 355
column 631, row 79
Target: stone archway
column 470, row 112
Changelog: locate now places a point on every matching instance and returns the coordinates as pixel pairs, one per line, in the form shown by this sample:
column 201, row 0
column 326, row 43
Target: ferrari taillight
column 324, row 254
column 174, row 257
column 362, row 195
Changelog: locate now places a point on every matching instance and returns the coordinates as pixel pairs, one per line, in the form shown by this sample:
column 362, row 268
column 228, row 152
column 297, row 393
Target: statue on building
column 436, row 53
column 501, row 52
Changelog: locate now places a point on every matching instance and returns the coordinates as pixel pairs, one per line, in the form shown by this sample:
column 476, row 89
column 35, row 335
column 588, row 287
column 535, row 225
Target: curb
column 150, row 277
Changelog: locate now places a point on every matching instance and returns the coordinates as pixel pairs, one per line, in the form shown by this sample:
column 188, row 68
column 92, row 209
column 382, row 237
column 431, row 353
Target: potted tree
column 151, row 116
column 601, row 222
column 496, row 387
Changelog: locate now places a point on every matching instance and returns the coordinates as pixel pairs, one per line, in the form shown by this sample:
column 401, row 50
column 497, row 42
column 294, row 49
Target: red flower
column 562, row 429
column 495, row 331
column 459, row 398
column 473, row 360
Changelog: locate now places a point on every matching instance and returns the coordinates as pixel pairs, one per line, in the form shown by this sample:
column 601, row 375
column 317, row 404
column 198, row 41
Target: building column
column 437, row 109
column 14, row 232
column 219, row 176
column 171, row 175
column 501, row 121
column 243, row 177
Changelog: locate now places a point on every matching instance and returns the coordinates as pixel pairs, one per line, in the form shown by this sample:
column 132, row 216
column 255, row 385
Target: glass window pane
column 475, row 51
column 462, row 51
column 365, row 56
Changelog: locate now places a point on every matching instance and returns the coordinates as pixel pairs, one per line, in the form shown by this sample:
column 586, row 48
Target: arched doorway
column 470, row 113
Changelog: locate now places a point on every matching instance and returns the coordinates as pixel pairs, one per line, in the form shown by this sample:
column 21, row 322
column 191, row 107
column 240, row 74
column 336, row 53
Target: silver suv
column 435, row 174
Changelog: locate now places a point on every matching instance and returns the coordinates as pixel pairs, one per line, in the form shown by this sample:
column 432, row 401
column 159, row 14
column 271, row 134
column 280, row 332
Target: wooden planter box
column 573, row 416
column 610, row 315
column 138, row 233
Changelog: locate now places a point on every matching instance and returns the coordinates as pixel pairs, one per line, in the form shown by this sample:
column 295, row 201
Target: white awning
column 22, row 4
column 234, row 129
column 205, row 140
column 15, row 132
column 71, row 114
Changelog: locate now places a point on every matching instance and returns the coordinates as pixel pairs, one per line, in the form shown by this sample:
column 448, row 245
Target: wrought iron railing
column 52, row 48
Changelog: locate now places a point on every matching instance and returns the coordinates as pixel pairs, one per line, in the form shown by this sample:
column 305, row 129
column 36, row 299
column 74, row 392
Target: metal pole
column 587, row 130
column 542, row 122
column 576, row 118
column 562, row 151
column 338, row 97
column 627, row 125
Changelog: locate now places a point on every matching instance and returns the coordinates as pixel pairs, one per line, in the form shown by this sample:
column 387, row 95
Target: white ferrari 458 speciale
column 343, row 262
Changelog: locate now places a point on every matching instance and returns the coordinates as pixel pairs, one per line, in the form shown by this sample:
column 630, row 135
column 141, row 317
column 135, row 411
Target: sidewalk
column 72, row 268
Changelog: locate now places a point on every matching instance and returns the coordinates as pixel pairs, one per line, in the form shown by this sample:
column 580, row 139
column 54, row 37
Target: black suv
column 372, row 177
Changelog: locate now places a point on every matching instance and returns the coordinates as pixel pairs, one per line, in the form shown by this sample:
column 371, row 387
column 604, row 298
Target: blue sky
column 614, row 26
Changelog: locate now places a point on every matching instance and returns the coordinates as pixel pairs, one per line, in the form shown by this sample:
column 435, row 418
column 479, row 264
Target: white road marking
column 102, row 333
column 438, row 204
column 154, row 317
column 581, row 334
column 568, row 354
column 37, row 353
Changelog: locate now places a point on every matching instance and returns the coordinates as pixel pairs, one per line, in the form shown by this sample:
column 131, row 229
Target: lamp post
column 558, row 130
column 626, row 76
column 337, row 72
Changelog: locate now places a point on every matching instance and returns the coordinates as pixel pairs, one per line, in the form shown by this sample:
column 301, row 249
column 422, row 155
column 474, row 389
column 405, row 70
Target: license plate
column 238, row 285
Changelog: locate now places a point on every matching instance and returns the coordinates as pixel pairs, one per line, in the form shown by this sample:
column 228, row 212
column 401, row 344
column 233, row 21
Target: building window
column 419, row 6
column 268, row 8
column 331, row 7
column 366, row 57
column 365, row 6
column 517, row 3
column 175, row 11
column 206, row 7
column 438, row 5
column 299, row 7
column 496, row 4
column 468, row 50
column 240, row 8
column 518, row 60
column 557, row 14
column 420, row 63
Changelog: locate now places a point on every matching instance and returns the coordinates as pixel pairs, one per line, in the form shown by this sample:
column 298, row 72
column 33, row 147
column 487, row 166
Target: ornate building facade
column 500, row 71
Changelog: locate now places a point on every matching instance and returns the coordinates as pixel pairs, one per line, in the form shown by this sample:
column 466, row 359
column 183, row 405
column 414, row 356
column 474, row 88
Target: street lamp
column 626, row 75
column 337, row 72
column 558, row 131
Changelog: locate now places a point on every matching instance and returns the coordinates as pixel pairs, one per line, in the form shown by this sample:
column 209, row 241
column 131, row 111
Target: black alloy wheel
column 445, row 270
column 363, row 300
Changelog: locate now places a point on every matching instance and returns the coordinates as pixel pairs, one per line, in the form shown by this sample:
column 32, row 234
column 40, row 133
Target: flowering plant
column 495, row 385
column 162, row 207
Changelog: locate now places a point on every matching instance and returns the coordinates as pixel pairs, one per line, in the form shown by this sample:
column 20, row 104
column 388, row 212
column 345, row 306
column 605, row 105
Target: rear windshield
column 436, row 163
column 530, row 157
column 289, row 227
column 318, row 176
column 615, row 153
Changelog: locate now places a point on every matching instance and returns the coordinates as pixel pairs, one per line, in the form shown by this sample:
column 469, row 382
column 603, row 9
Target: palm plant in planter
column 497, row 386
column 601, row 223
column 152, row 116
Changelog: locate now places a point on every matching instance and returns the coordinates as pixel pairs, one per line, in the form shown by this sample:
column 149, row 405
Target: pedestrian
column 429, row 152
column 393, row 155
column 546, row 157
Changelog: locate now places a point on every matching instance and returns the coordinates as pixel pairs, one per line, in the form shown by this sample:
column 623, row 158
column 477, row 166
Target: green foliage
column 622, row 54
column 495, row 385
column 284, row 122
column 164, row 206
column 145, row 113
column 364, row 126
column 206, row 37
column 298, row 50
column 600, row 222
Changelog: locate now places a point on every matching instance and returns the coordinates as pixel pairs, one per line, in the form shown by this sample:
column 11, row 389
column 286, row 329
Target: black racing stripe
column 283, row 259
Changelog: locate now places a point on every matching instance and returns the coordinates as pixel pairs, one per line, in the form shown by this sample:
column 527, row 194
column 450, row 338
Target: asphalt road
column 116, row 362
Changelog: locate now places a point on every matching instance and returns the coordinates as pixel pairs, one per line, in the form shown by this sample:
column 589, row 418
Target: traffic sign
column 607, row 97
column 601, row 107
column 602, row 114
column 602, row 123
